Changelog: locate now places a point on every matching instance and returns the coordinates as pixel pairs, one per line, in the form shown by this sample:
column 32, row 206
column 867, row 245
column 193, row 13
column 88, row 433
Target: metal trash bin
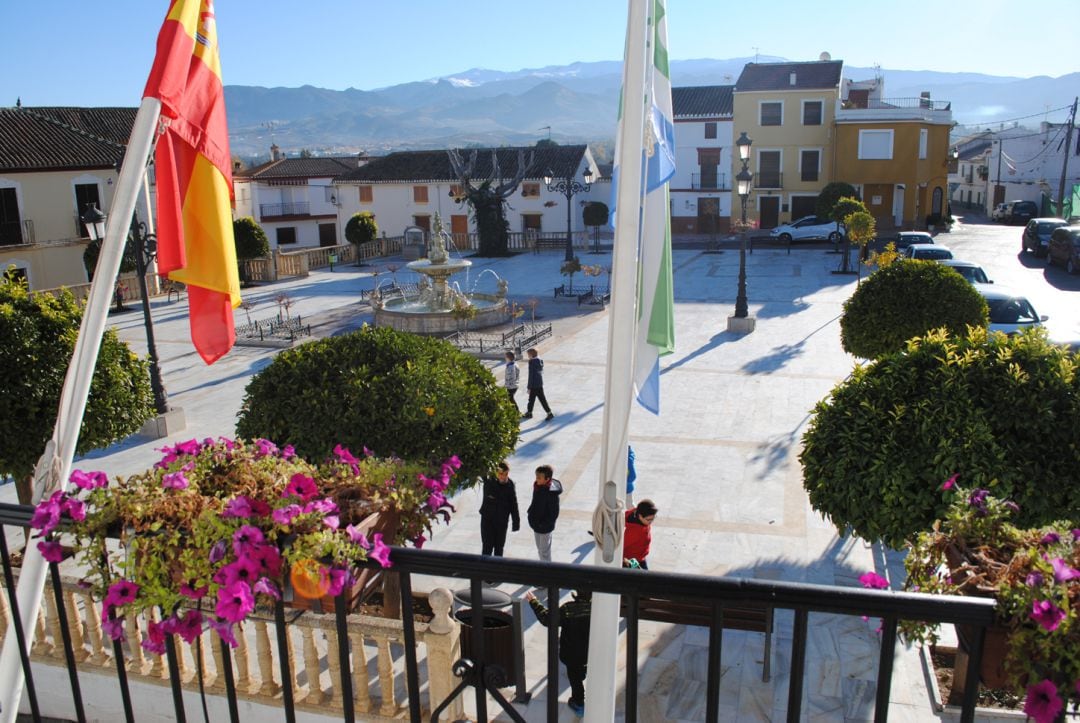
column 499, row 647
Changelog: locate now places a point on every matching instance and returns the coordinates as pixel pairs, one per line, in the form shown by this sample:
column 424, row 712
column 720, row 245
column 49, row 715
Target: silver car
column 927, row 252
column 1010, row 312
column 972, row 272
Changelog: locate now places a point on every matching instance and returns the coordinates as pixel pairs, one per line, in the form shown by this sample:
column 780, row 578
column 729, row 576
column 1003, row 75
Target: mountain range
column 568, row 103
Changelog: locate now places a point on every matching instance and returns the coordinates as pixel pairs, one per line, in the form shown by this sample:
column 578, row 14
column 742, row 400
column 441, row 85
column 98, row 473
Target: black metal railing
column 714, row 598
column 298, row 208
column 708, row 181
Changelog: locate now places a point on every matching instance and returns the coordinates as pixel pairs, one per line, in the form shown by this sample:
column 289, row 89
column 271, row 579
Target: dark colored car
column 1022, row 212
column 1036, row 238
column 972, row 272
column 1065, row 248
column 906, row 238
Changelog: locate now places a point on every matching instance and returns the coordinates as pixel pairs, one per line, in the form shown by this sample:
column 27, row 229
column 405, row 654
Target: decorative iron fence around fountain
column 275, row 331
column 517, row 339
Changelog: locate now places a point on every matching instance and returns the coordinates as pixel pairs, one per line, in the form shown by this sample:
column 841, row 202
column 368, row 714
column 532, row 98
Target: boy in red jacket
column 637, row 536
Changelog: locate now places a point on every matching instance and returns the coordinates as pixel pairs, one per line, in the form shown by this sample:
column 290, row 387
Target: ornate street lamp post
column 145, row 248
column 743, row 180
column 568, row 187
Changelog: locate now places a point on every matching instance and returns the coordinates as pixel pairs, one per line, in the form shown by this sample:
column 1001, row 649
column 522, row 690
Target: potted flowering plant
column 218, row 526
column 1034, row 647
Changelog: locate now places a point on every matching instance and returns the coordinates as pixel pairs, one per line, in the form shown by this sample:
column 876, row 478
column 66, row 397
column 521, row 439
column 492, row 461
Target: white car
column 1000, row 212
column 927, row 252
column 808, row 227
column 1010, row 312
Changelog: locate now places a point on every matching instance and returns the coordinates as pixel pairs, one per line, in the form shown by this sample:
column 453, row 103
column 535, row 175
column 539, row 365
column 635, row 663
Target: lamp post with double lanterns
column 568, row 187
column 741, row 321
column 145, row 250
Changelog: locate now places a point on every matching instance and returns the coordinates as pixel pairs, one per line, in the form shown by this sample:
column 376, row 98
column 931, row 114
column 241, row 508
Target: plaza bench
column 548, row 242
column 749, row 618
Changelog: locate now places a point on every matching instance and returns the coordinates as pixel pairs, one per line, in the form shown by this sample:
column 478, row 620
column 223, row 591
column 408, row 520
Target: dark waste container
column 498, row 631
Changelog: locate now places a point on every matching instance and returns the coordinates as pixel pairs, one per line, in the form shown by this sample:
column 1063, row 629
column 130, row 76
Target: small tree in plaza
column 39, row 333
column 361, row 229
column 412, row 396
column 1002, row 411
column 488, row 198
column 861, row 230
column 596, row 214
column 251, row 242
column 904, row 300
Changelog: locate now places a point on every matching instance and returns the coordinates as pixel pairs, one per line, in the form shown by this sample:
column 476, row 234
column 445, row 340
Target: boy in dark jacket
column 536, row 385
column 499, row 507
column 573, row 641
column 544, row 509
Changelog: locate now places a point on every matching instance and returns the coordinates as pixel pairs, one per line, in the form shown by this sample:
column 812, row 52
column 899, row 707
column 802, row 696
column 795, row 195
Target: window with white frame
column 875, row 145
column 811, row 112
column 809, row 164
column 771, row 113
column 923, row 137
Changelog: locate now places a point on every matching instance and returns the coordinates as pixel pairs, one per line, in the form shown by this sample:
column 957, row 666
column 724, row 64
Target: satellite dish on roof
column 824, row 56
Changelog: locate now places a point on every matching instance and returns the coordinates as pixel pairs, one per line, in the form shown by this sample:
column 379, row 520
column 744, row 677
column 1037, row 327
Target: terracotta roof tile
column 39, row 139
column 702, row 101
column 325, row 167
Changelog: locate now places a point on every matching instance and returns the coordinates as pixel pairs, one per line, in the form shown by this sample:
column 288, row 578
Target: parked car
column 1064, row 247
column 1036, row 237
column 1021, row 212
column 972, row 272
column 1010, row 312
column 806, row 228
column 1000, row 212
column 927, row 252
column 906, row 238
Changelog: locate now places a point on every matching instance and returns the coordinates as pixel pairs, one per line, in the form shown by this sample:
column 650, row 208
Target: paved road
column 1050, row 289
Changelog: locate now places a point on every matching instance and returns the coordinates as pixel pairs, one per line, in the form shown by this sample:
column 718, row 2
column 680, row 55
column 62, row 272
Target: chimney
column 275, row 153
column 793, row 79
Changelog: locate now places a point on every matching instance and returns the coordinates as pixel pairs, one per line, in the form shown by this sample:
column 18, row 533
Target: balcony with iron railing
column 709, row 182
column 276, row 210
column 932, row 111
column 343, row 666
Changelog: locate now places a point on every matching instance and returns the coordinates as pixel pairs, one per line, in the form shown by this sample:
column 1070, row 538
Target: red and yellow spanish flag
column 194, row 174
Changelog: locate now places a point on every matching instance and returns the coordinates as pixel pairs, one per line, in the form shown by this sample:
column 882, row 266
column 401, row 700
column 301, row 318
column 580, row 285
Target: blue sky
column 79, row 52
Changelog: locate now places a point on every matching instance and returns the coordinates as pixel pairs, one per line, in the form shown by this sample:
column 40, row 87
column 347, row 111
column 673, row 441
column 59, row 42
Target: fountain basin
column 413, row 315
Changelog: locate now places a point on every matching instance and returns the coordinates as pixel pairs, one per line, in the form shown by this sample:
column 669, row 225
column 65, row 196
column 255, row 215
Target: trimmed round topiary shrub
column 904, row 300
column 390, row 391
column 1002, row 412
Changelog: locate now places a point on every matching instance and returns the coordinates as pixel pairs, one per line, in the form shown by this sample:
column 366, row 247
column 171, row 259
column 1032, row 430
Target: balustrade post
column 53, row 621
column 443, row 643
column 361, row 682
column 332, row 698
column 265, row 660
column 98, row 656
column 311, row 666
column 78, row 643
column 385, row 662
column 243, row 664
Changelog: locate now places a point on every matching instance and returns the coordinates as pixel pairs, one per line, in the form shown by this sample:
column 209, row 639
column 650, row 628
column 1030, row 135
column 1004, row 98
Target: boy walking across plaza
column 544, row 509
column 511, row 376
column 574, row 619
column 499, row 507
column 536, row 385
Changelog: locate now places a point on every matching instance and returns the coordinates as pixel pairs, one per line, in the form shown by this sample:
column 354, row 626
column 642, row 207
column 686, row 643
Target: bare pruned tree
column 488, row 197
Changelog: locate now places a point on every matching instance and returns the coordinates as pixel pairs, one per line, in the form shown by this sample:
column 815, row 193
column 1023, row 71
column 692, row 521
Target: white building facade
column 701, row 187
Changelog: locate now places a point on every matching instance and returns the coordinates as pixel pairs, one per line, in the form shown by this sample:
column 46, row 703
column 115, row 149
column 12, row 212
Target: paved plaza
column 720, row 461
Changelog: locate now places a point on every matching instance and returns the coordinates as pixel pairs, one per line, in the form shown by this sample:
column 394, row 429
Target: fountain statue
column 431, row 313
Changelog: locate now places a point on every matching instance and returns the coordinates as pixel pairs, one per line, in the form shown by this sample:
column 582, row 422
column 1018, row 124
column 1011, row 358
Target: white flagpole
column 618, row 386
column 54, row 467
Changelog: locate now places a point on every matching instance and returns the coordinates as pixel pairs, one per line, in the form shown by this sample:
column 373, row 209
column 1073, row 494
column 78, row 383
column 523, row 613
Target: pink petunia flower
column 113, row 627
column 325, row 506
column 238, row 507
column 154, row 641
column 334, row 580
column 285, row 515
column 121, row 592
column 175, row 480
column 218, row 550
column 267, row 559
column 193, row 593
column 188, row 627
column 224, row 630
column 951, row 482
column 1043, row 703
column 244, row 570
column 332, row 521
column 368, row 452
column 190, row 447
column 89, row 480
column 76, row 509
column 419, row 541
column 355, row 535
column 454, row 462
column 265, row 448
column 344, row 455
column 52, row 551
column 1034, row 579
column 288, row 451
column 302, row 486
column 1047, row 614
column 235, row 601
column 380, row 552
column 1050, row 538
column 266, row 586
column 873, row 581
column 435, row 500
column 245, row 538
column 47, row 514
column 1063, row 571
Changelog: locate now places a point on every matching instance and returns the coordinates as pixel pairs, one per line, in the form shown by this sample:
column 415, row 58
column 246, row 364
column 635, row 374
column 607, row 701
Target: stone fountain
column 432, row 311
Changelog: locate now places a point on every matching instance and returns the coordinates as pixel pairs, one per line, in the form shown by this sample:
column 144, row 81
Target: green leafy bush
column 251, row 241
column 361, row 228
column 39, row 332
column 905, row 300
column 412, row 396
column 1001, row 410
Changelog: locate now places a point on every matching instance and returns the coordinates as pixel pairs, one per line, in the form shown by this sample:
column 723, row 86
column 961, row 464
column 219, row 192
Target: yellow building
column 895, row 151
column 787, row 110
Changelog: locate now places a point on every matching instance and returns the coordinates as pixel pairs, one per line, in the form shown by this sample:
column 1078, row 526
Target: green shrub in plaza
column 386, row 390
column 250, row 239
column 39, row 333
column 1000, row 411
column 361, row 229
column 905, row 300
